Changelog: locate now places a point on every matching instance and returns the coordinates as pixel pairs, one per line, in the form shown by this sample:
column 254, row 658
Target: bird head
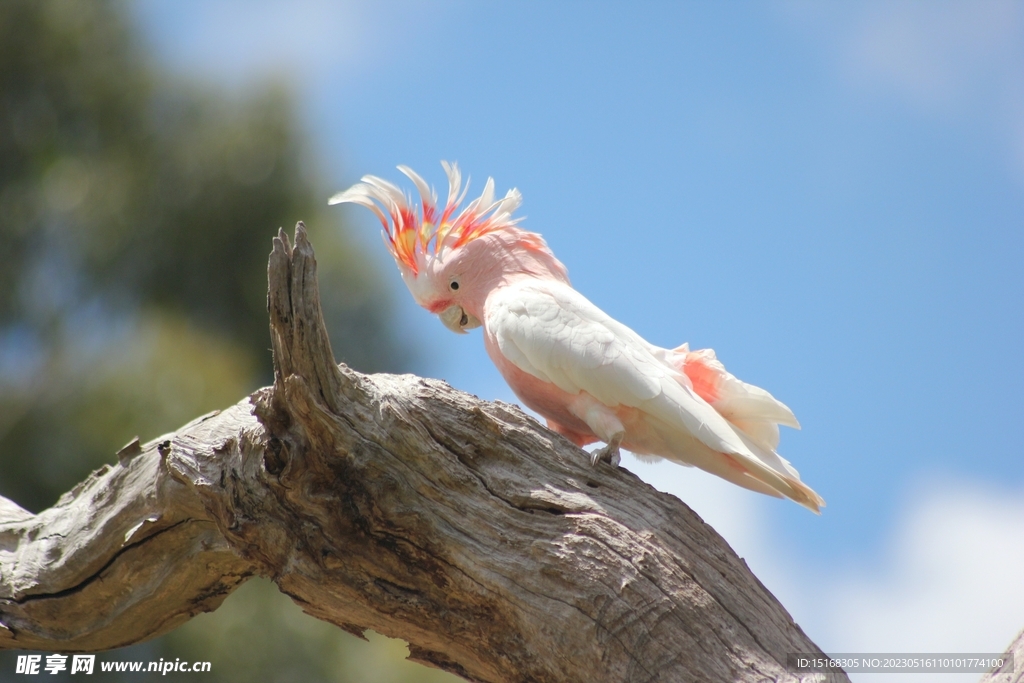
column 450, row 259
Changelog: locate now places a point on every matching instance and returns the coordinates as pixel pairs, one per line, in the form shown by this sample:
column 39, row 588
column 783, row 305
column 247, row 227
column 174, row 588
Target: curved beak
column 457, row 320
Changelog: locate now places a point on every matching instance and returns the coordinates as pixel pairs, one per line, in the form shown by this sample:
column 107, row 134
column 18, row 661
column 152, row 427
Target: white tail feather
column 755, row 415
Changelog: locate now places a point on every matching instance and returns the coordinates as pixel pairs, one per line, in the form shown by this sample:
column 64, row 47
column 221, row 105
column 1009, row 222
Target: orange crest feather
column 414, row 236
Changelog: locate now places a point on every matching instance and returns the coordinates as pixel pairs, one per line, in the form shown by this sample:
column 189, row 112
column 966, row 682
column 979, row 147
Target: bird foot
column 609, row 453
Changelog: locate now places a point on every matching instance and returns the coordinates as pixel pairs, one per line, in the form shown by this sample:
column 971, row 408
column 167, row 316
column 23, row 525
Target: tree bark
column 1013, row 670
column 398, row 504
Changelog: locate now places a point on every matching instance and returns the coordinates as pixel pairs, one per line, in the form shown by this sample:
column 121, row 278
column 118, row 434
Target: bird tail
column 769, row 468
column 746, row 406
column 755, row 415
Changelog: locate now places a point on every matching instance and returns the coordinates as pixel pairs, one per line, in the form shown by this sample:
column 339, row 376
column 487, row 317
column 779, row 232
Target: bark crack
column 31, row 597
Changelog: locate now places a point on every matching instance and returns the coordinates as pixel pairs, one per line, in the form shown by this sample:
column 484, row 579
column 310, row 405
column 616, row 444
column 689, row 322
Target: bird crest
column 416, row 236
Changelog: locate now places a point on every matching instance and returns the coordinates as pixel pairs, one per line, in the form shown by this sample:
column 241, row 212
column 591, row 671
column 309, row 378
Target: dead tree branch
column 1013, row 670
column 398, row 504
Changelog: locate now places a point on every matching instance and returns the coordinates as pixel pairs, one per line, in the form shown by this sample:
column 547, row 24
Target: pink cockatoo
column 593, row 378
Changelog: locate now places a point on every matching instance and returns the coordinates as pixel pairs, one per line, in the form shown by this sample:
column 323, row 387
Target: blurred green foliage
column 136, row 213
column 235, row 640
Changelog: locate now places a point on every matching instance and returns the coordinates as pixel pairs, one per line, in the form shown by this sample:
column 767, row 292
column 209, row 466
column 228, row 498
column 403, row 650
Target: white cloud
column 948, row 580
column 946, row 58
column 304, row 40
column 952, row 580
column 937, row 52
column 933, row 52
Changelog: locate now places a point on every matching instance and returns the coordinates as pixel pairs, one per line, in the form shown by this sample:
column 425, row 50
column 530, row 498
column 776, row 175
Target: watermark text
column 32, row 665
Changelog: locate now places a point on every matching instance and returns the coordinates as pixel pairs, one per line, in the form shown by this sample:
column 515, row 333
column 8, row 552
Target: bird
column 591, row 377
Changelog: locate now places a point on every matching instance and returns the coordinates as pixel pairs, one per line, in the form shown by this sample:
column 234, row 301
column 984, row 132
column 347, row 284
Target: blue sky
column 829, row 195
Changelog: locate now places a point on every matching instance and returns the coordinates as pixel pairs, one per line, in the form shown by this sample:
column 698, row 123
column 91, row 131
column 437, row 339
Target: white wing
column 554, row 333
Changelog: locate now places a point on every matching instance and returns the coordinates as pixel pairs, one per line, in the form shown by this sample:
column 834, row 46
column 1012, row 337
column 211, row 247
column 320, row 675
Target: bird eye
column 454, row 285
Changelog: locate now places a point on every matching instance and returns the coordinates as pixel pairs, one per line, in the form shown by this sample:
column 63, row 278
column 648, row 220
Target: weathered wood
column 398, row 504
column 126, row 555
column 1013, row 670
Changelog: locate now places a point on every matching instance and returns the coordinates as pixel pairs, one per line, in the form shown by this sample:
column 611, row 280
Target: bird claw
column 609, row 453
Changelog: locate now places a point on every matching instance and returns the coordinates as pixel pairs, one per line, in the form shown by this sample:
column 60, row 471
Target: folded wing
column 552, row 332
